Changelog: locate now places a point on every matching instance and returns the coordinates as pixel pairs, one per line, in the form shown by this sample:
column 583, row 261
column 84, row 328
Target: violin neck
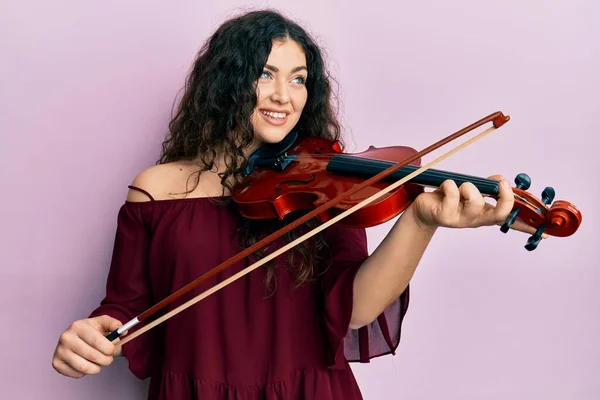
column 366, row 167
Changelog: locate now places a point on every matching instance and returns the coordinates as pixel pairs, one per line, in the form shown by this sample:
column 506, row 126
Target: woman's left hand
column 465, row 207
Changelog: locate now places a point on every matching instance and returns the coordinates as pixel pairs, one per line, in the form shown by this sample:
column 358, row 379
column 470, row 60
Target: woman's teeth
column 274, row 114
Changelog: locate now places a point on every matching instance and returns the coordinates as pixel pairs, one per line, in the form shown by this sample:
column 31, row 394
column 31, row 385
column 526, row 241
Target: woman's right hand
column 83, row 348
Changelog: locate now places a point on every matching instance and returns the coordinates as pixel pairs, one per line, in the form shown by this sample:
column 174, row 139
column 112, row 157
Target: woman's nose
column 281, row 94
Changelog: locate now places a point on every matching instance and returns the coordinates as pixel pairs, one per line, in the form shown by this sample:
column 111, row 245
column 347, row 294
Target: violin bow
column 498, row 119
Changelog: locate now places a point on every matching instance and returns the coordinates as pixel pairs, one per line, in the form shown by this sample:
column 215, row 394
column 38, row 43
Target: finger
column 106, row 323
column 504, row 203
column 71, row 342
column 79, row 364
column 474, row 202
column 451, row 195
column 497, row 178
column 86, row 350
column 97, row 342
column 65, row 369
column 118, row 349
column 438, row 190
column 450, row 205
column 519, row 224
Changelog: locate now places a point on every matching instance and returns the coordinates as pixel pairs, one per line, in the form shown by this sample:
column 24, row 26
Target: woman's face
column 281, row 92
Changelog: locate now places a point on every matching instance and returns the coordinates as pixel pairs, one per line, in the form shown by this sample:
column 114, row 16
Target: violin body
column 306, row 183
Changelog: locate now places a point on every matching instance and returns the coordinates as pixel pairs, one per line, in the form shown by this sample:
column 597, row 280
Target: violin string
column 482, row 183
column 443, row 175
column 301, row 239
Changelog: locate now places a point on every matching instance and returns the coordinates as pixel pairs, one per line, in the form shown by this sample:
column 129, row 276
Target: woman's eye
column 300, row 79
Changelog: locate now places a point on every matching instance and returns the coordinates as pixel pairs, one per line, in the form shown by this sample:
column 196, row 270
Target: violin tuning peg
column 534, row 240
column 523, row 181
column 510, row 220
column 548, row 195
column 532, row 243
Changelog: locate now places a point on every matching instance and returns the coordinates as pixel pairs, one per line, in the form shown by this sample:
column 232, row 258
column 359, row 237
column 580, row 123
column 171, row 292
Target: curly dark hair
column 219, row 98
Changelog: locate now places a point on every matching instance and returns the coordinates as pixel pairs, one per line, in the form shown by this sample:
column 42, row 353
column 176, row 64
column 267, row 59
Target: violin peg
column 532, row 243
column 535, row 239
column 510, row 220
column 523, row 181
column 548, row 195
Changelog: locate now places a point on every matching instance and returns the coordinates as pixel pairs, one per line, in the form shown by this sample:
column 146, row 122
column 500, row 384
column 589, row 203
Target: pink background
column 86, row 91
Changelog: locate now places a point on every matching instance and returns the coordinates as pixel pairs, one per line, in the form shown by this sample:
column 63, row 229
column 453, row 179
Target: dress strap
column 141, row 190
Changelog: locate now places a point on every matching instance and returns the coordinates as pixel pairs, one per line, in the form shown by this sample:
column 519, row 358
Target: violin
column 314, row 176
column 304, row 173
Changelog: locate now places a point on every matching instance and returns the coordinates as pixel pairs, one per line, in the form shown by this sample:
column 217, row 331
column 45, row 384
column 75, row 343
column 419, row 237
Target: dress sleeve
column 128, row 292
column 348, row 250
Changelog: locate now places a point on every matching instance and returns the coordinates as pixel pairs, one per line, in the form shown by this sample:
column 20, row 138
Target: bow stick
column 498, row 119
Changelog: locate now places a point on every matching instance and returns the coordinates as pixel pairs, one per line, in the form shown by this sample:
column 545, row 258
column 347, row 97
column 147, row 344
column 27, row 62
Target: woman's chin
column 272, row 134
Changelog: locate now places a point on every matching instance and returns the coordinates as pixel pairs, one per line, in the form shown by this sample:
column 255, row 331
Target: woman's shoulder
column 166, row 192
column 169, row 181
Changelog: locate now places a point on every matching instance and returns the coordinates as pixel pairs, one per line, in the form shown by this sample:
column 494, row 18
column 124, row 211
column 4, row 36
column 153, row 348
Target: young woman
column 285, row 331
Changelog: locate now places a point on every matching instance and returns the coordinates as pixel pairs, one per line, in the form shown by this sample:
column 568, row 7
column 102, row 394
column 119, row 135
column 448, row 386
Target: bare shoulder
column 164, row 181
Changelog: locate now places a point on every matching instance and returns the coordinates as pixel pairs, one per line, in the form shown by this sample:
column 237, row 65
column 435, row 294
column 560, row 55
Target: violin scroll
column 560, row 219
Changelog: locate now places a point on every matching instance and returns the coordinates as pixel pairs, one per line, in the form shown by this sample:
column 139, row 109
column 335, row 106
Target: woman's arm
column 387, row 272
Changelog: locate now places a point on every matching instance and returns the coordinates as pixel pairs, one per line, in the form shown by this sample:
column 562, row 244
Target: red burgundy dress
column 238, row 343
